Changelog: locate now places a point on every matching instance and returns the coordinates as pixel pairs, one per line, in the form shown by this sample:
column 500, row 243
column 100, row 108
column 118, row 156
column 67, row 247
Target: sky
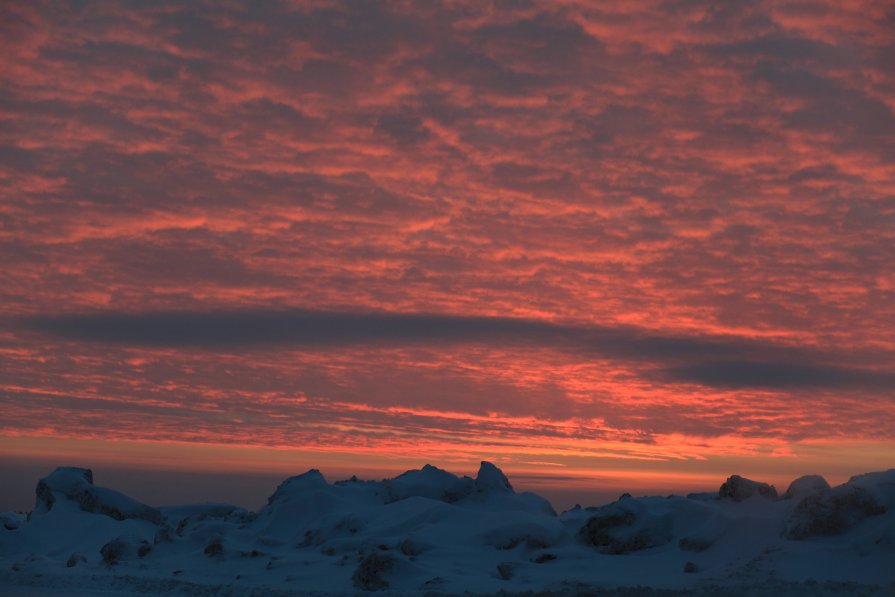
column 607, row 246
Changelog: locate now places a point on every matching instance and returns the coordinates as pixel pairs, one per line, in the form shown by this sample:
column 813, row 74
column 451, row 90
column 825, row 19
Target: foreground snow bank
column 431, row 531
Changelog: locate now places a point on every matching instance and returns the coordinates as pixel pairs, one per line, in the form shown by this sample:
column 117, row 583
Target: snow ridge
column 430, row 531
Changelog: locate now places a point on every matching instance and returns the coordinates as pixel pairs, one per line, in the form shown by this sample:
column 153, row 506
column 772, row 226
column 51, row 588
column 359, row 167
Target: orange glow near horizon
column 569, row 472
column 594, row 244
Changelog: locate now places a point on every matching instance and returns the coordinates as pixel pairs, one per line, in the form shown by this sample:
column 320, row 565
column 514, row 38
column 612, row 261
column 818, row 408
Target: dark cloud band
column 718, row 361
column 749, row 374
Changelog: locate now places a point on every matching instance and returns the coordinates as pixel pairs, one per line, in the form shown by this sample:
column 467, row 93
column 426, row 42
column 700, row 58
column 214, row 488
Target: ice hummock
column 75, row 485
column 739, row 488
column 491, row 478
column 429, row 530
column 806, row 485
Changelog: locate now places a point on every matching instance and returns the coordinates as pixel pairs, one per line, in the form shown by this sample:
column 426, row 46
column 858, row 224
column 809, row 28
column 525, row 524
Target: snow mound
column 430, row 482
column 834, row 511
column 625, row 526
column 528, row 534
column 806, row 485
column 881, row 485
column 307, row 509
column 76, row 485
column 739, row 488
column 309, row 481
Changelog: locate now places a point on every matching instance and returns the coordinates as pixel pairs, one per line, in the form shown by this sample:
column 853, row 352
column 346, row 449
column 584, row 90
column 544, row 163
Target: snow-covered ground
column 429, row 531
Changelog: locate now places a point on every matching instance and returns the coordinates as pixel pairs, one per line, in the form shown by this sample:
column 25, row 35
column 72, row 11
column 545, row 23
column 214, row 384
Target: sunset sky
column 604, row 245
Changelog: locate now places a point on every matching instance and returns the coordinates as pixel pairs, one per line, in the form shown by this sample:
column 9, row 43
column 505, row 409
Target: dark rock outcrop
column 215, row 548
column 739, row 488
column 505, row 570
column 694, row 544
column 114, row 551
column 144, row 549
column 369, row 573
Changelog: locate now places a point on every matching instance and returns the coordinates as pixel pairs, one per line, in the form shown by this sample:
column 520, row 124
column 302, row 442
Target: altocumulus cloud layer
column 527, row 228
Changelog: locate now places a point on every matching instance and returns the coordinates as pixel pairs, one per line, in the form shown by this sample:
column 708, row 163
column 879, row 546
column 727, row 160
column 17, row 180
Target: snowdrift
column 429, row 531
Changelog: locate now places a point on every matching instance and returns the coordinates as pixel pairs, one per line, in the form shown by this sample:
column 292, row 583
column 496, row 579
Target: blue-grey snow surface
column 430, row 532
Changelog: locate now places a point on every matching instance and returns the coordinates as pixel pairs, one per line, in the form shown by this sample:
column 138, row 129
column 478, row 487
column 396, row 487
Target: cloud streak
column 710, row 361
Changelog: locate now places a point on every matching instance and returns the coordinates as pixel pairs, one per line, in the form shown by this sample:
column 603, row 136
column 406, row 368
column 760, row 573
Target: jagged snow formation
column 429, row 531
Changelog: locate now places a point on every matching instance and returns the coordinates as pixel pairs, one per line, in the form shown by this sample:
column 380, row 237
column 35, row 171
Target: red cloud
column 718, row 170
